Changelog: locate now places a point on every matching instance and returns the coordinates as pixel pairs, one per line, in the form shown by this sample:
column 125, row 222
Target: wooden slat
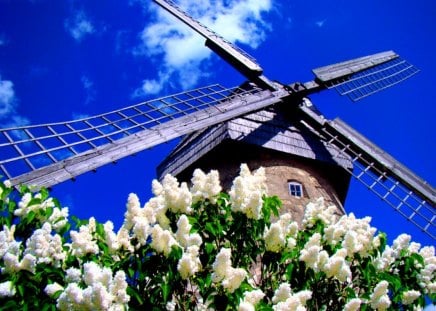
column 372, row 154
column 240, row 60
column 343, row 69
column 87, row 161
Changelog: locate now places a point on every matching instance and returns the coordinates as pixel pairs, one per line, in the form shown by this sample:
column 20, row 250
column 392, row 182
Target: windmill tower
column 309, row 151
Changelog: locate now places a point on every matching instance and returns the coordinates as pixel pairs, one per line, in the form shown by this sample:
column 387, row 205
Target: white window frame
column 295, row 189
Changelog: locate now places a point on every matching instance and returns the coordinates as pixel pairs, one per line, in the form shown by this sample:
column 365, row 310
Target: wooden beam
column 90, row 160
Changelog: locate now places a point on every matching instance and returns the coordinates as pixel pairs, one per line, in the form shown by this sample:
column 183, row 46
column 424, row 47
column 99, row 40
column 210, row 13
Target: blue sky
column 61, row 60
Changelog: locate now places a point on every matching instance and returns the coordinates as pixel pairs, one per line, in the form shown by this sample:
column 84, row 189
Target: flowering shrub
column 196, row 248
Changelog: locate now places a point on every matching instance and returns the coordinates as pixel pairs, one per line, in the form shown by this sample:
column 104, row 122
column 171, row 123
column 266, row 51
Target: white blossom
column 190, row 263
column 59, row 218
column 205, row 186
column 247, row 191
column 410, row 296
column 13, row 264
column 353, row 305
column 7, row 289
column 7, row 183
column 253, row 297
column 53, row 288
column 427, row 274
column 118, row 288
column 318, row 211
column 123, row 239
column 295, row 302
column 46, row 248
column 338, row 267
column 379, row 299
column 177, row 196
column 311, row 251
column 93, row 273
column 357, row 235
column 274, row 238
column 229, row 277
column 8, row 244
column 280, row 235
column 282, row 293
column 102, row 292
column 83, row 242
column 73, row 275
column 133, row 211
column 162, row 240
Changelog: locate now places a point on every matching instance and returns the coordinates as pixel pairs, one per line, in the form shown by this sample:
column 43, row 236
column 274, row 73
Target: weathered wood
column 269, row 128
column 240, row 60
column 87, row 161
column 344, row 69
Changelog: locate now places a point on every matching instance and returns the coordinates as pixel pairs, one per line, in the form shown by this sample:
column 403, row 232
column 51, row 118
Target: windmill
column 47, row 154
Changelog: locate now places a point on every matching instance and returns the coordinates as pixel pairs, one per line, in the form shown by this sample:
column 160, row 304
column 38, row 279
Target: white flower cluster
column 247, row 192
column 223, row 272
column 162, row 240
column 10, row 253
column 190, row 263
column 250, row 300
column 285, row 300
column 312, row 253
column 427, row 275
column 176, row 197
column 7, row 289
column 103, row 291
column 410, row 296
column 379, row 299
column 116, row 242
column 353, row 305
column 281, row 235
column 83, row 242
column 138, row 220
column 318, row 211
column 58, row 218
column 46, row 248
column 335, row 266
column 205, row 186
column 390, row 254
column 357, row 235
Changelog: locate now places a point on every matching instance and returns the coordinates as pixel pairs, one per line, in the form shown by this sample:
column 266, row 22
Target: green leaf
column 393, row 280
column 351, row 293
column 134, row 293
column 166, row 290
column 209, row 247
column 210, row 228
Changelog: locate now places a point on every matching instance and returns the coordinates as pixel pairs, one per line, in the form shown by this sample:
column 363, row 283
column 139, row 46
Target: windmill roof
column 271, row 128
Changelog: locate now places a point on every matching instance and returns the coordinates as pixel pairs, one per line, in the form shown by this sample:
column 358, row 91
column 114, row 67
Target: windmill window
column 295, row 189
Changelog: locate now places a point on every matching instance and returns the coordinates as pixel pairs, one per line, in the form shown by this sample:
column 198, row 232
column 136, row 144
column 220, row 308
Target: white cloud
column 88, row 85
column 320, row 23
column 7, row 97
column 8, row 104
column 79, row 26
column 14, row 121
column 181, row 53
column 79, row 116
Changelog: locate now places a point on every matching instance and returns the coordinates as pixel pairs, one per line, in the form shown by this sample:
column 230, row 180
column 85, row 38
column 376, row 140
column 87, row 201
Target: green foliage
column 154, row 281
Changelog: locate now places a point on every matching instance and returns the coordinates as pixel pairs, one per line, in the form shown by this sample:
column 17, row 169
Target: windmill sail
column 361, row 77
column 383, row 175
column 51, row 153
column 240, row 60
